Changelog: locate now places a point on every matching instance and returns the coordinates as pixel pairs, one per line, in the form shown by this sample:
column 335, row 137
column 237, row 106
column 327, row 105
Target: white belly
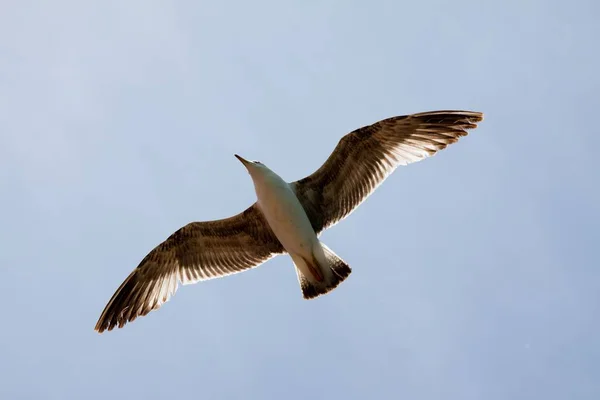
column 286, row 216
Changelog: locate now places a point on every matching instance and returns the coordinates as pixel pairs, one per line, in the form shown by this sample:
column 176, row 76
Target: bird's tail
column 335, row 271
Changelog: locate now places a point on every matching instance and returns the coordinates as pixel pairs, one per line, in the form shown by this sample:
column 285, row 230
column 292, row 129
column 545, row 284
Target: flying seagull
column 287, row 217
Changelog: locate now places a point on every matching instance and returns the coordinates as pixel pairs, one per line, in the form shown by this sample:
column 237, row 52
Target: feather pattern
column 364, row 158
column 198, row 251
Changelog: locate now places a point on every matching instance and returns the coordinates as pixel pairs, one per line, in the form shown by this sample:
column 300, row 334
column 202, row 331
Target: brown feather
column 197, row 251
column 364, row 158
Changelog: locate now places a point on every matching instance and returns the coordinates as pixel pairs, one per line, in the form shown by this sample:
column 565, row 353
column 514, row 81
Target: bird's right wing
column 197, row 251
column 364, row 158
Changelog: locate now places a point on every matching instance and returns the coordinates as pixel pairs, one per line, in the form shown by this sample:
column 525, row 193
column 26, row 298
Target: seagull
column 287, row 217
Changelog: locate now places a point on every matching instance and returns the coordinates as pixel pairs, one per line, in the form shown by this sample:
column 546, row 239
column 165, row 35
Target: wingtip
column 100, row 328
column 478, row 116
column 466, row 119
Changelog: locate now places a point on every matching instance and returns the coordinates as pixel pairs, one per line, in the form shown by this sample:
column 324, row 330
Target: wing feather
column 195, row 252
column 364, row 158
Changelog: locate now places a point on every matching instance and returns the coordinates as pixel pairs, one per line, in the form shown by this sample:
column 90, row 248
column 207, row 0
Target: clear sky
column 475, row 272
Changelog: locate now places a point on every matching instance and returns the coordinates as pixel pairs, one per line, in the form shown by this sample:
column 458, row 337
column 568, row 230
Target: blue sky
column 475, row 272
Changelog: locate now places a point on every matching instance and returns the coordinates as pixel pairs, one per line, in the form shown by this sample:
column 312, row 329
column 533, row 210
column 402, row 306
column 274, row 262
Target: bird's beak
column 242, row 160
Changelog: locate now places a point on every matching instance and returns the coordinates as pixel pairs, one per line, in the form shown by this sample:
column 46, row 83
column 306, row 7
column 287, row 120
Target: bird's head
column 255, row 168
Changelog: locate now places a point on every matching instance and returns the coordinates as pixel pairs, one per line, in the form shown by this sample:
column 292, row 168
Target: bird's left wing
column 364, row 158
column 197, row 251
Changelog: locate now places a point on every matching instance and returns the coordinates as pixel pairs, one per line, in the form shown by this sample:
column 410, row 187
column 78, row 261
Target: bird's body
column 288, row 220
column 276, row 199
column 287, row 217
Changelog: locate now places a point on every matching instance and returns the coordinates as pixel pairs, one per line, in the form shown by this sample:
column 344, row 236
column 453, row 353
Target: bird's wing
column 197, row 251
column 364, row 158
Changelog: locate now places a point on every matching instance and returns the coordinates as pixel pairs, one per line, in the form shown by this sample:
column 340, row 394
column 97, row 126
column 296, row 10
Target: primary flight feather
column 287, row 217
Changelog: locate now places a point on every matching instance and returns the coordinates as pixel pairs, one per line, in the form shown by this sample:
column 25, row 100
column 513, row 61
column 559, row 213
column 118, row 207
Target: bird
column 287, row 217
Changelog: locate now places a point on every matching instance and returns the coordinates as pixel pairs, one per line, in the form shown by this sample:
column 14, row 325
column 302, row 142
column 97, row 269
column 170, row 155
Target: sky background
column 475, row 272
